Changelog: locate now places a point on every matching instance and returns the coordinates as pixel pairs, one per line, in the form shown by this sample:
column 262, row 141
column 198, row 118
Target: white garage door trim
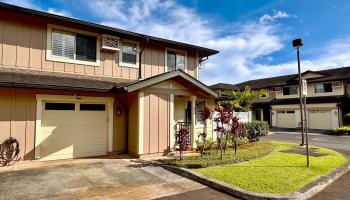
column 43, row 97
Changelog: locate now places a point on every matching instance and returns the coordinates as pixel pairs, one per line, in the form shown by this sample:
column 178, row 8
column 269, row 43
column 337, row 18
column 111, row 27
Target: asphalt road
column 339, row 189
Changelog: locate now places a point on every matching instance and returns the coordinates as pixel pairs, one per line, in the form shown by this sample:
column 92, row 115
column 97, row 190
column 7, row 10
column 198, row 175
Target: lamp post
column 297, row 43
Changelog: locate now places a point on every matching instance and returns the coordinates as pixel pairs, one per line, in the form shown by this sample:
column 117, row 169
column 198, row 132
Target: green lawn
column 211, row 158
column 277, row 172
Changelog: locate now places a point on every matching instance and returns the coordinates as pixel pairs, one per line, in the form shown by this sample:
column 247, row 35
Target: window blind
column 63, row 44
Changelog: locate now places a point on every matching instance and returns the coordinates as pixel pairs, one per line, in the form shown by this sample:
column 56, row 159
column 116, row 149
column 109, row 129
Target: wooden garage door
column 320, row 119
column 72, row 130
column 286, row 119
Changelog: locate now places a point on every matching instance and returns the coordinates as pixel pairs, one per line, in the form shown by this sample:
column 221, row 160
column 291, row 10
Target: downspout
column 140, row 56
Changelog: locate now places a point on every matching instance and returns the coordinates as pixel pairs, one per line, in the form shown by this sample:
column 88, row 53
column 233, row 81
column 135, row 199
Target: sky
column 253, row 37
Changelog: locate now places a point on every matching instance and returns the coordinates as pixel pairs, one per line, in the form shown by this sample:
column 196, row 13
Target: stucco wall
column 311, row 92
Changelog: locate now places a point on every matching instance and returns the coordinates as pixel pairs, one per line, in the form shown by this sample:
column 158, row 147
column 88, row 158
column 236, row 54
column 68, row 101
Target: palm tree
column 243, row 100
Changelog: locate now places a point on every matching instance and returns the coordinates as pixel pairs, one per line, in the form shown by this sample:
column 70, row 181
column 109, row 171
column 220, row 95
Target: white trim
column 141, row 108
column 193, row 120
column 166, row 76
column 171, row 123
column 177, row 51
column 63, row 98
column 121, row 63
column 39, row 106
column 51, row 57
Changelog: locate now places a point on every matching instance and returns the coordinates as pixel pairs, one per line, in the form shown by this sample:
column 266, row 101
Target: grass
column 212, row 158
column 278, row 172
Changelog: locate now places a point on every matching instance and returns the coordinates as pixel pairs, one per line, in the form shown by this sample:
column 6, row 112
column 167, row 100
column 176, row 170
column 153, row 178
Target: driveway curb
column 306, row 192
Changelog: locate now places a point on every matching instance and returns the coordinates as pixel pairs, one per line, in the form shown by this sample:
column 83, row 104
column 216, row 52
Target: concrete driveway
column 99, row 179
column 340, row 188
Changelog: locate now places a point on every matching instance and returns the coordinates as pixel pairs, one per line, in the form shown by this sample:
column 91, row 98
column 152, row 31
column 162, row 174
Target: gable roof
column 189, row 80
column 342, row 73
column 202, row 51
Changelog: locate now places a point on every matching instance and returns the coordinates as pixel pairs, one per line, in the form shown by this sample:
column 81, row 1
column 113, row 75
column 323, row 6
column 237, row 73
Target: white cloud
column 59, row 12
column 277, row 15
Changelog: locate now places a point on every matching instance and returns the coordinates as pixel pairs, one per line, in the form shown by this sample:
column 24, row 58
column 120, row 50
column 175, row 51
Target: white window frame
column 176, row 51
column 290, row 94
column 51, row 57
column 323, row 88
column 123, row 64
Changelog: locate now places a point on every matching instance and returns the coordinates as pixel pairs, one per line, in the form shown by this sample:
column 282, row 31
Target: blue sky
column 253, row 37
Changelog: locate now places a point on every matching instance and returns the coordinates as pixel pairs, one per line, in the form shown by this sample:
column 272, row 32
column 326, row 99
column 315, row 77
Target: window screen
column 63, row 44
column 93, row 107
column 86, row 47
column 129, row 53
column 59, row 106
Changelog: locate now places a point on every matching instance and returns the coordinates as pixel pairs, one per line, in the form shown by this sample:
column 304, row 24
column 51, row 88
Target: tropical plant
column 205, row 115
column 226, row 127
column 242, row 100
column 254, row 129
column 341, row 130
column 347, row 119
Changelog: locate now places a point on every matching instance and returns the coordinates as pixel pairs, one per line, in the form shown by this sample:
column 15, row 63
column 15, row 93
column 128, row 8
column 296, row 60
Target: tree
column 206, row 114
column 242, row 99
column 226, row 126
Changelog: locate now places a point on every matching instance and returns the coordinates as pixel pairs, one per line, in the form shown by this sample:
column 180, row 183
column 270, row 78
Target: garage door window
column 93, row 107
column 59, row 106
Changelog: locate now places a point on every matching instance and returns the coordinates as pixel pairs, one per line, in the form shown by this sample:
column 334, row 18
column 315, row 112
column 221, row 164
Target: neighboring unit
column 70, row 88
column 328, row 98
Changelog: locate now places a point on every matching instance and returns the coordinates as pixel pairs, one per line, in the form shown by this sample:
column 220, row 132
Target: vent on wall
column 110, row 42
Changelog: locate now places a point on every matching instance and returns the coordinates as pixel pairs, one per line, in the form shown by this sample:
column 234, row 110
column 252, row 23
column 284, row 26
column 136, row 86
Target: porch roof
column 177, row 75
column 11, row 77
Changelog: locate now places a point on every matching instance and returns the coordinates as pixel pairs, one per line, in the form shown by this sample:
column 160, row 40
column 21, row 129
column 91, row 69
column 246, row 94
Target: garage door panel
column 285, row 119
column 74, row 133
column 320, row 119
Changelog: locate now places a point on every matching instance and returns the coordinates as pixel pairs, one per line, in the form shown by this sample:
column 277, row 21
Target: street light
column 297, row 43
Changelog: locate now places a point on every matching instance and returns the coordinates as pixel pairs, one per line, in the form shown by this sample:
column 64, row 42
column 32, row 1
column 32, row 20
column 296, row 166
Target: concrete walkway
column 340, row 188
column 99, row 179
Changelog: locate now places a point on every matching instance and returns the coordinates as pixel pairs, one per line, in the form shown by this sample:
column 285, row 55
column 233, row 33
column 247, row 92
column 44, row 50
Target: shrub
column 341, row 130
column 347, row 119
column 255, row 129
column 209, row 144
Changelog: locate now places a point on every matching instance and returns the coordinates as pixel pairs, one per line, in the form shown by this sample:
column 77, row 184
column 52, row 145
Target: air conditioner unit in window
column 278, row 89
column 336, row 84
column 110, row 43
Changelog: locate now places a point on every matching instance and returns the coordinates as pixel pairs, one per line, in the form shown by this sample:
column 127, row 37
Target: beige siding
column 311, row 92
column 18, row 111
column 133, row 124
column 23, row 44
column 156, row 123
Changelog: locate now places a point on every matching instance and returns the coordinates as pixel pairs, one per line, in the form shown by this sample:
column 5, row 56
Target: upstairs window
column 176, row 60
column 72, row 46
column 323, row 87
column 129, row 57
column 293, row 90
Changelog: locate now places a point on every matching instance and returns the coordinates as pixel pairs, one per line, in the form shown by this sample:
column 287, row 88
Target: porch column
column 193, row 120
column 171, row 123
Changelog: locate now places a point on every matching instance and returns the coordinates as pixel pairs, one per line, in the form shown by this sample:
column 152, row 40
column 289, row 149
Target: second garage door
column 285, row 119
column 72, row 130
column 320, row 119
